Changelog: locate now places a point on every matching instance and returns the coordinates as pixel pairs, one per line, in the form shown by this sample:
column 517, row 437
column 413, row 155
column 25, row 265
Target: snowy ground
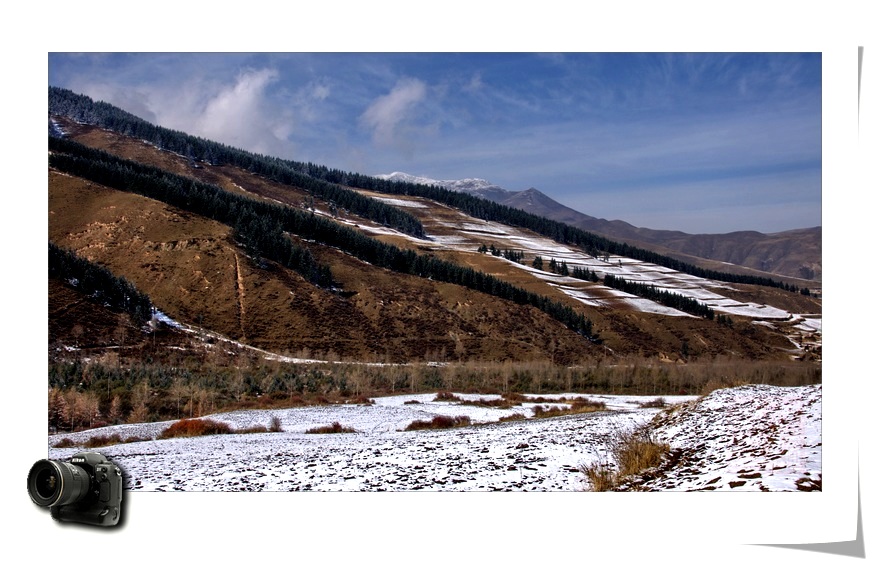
column 730, row 435
column 775, row 443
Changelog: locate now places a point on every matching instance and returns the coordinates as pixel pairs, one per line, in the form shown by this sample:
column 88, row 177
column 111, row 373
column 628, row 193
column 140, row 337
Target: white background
column 416, row 530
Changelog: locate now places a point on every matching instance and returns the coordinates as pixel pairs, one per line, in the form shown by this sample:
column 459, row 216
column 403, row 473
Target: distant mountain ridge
column 794, row 253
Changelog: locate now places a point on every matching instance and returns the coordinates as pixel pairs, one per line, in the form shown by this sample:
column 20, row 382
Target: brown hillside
column 194, row 271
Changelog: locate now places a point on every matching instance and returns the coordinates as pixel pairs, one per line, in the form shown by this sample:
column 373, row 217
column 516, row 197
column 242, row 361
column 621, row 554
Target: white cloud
column 476, row 83
column 387, row 116
column 241, row 115
column 318, row 91
column 238, row 112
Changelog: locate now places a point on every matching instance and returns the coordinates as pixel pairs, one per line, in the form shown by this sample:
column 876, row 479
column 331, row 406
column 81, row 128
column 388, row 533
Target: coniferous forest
column 329, row 184
column 261, row 226
column 98, row 283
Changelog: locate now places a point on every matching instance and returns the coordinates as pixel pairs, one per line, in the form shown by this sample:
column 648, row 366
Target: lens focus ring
column 57, row 483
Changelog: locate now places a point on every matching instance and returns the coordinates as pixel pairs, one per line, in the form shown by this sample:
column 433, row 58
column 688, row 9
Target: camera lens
column 46, row 483
column 56, row 483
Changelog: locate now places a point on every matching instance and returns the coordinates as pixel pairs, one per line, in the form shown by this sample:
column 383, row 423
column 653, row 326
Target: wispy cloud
column 389, row 117
column 240, row 115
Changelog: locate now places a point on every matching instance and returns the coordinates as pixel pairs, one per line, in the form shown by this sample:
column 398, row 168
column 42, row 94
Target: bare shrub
column 439, row 422
column 633, row 450
column 103, row 440
column 275, row 425
column 500, row 403
column 194, row 428
column 512, row 417
column 446, row 397
column 600, row 476
column 655, row 403
column 335, row 427
column 112, row 439
column 636, row 450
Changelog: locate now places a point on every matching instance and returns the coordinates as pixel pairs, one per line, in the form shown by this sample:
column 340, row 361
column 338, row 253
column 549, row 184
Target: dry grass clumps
column 195, row 427
column 577, row 406
column 633, row 450
column 655, row 403
column 446, row 397
column 515, row 417
column 335, row 427
column 98, row 441
column 439, row 422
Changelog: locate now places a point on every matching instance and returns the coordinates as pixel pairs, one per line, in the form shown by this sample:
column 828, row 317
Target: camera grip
column 105, row 515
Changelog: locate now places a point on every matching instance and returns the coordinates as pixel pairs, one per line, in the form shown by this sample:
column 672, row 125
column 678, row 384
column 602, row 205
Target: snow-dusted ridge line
column 459, row 185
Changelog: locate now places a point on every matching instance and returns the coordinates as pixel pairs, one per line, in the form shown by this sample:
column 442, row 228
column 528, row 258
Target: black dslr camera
column 87, row 489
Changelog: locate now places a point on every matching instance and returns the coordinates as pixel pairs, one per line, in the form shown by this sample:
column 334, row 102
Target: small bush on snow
column 194, row 428
column 335, row 427
column 633, row 449
column 439, row 422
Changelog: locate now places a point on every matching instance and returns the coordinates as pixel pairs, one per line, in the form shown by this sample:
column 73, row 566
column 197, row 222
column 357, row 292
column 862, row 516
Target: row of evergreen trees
column 514, row 255
column 593, row 244
column 669, row 299
column 262, row 226
column 83, row 109
column 662, row 296
column 99, row 283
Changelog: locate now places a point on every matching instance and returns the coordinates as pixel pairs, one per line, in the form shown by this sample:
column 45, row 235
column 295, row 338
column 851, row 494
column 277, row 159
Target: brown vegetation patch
column 439, row 422
column 577, row 406
column 633, row 450
column 512, row 418
column 446, row 397
column 194, row 428
column 335, row 427
column 112, row 439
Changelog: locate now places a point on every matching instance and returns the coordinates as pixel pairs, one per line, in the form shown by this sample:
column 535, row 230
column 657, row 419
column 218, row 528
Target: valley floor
column 727, row 436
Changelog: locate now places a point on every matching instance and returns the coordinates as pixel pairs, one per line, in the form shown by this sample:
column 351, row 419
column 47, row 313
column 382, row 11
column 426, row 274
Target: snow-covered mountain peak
column 475, row 186
column 461, row 184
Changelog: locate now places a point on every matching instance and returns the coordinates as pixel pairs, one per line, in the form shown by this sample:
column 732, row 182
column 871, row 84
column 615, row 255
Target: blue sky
column 698, row 142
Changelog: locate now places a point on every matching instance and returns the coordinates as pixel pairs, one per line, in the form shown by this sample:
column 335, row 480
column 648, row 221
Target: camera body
column 87, row 489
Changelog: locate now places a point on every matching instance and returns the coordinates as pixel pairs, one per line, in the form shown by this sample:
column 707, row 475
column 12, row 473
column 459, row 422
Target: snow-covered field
column 759, row 435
